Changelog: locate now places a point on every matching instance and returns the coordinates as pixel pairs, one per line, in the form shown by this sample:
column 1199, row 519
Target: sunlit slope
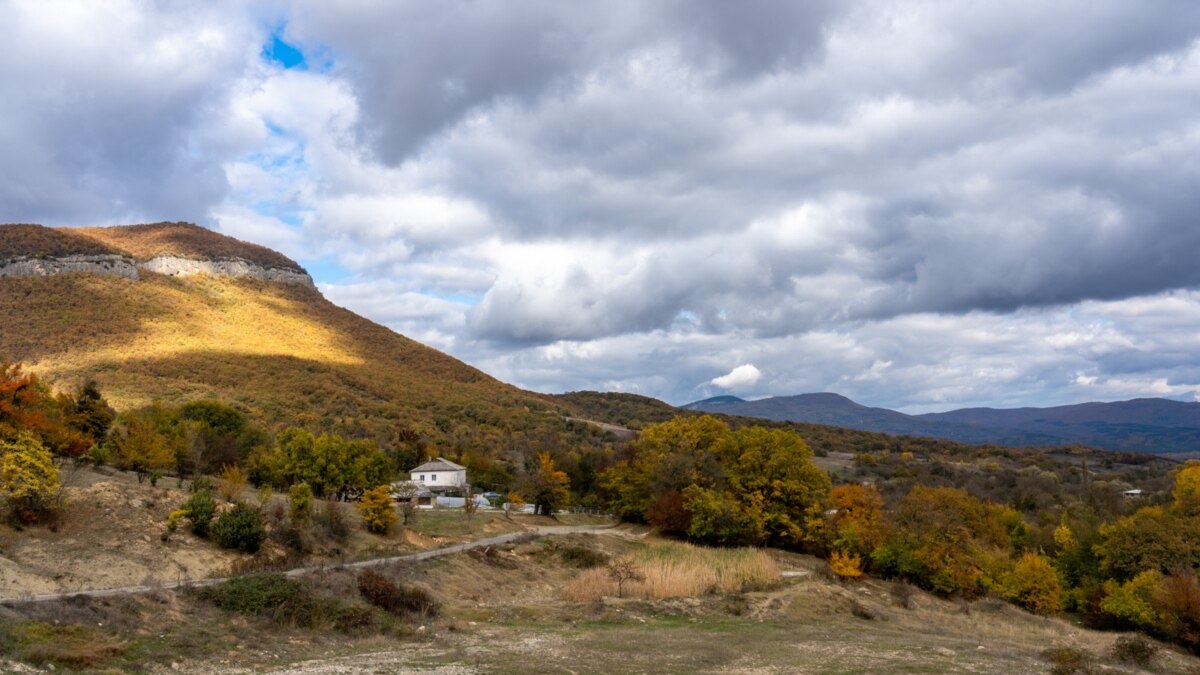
column 281, row 350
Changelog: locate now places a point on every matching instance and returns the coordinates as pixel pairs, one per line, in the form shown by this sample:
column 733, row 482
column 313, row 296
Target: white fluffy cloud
column 918, row 204
column 743, row 377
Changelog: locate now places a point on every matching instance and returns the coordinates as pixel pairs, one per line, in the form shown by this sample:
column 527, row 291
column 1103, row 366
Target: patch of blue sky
column 326, row 270
column 286, row 55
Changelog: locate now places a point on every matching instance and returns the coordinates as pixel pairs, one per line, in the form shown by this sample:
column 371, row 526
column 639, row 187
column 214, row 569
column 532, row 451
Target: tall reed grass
column 673, row 570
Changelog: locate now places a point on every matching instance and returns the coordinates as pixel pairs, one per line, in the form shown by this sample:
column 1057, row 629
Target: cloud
column 917, row 204
column 742, row 377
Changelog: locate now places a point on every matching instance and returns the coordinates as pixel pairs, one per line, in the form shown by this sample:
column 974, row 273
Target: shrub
column 261, row 594
column 331, row 521
column 240, row 528
column 581, row 556
column 1067, row 661
column 199, row 510
column 845, row 565
column 399, row 600
column 904, row 593
column 231, row 480
column 1134, row 649
column 300, row 499
column 376, row 510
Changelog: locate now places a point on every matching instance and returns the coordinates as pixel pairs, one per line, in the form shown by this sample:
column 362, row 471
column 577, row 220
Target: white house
column 440, row 475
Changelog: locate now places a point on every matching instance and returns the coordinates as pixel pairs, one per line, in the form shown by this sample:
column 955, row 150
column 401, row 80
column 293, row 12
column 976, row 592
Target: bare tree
column 405, row 494
column 622, row 570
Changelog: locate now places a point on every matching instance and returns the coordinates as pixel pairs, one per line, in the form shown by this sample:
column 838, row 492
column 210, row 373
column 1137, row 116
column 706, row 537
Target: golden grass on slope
column 673, row 570
column 180, row 239
column 35, row 241
column 281, row 350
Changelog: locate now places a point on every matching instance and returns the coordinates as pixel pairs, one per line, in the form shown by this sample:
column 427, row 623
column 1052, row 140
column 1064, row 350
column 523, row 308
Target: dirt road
column 301, row 571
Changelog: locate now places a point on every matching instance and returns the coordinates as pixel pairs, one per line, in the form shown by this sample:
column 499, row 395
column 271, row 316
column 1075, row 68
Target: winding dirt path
column 545, row 531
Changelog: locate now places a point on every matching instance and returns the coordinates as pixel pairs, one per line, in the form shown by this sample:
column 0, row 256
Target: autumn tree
column 945, row 540
column 547, row 488
column 29, row 481
column 376, row 510
column 26, row 404
column 1034, row 585
column 1186, row 492
column 146, row 441
column 1150, row 539
column 856, row 522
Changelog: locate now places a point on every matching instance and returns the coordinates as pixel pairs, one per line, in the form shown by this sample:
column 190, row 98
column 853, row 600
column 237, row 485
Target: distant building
column 441, row 475
column 1133, row 494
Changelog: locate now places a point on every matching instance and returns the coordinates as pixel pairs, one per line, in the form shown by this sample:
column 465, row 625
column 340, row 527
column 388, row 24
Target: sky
column 921, row 205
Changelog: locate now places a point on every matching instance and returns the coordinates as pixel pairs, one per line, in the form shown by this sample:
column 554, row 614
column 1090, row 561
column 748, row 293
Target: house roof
column 439, row 464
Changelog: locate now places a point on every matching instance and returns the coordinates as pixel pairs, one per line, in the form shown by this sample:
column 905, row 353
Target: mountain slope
column 1143, row 425
column 281, row 350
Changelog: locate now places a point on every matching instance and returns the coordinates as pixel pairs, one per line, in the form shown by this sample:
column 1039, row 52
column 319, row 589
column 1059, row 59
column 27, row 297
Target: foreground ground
column 503, row 610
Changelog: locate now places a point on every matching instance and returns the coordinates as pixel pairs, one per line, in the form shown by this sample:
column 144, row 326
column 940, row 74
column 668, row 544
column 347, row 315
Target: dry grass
column 35, row 241
column 673, row 570
column 281, row 351
column 183, row 240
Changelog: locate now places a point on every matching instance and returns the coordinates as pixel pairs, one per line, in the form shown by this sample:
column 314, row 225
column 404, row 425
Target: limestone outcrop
column 105, row 264
column 122, row 266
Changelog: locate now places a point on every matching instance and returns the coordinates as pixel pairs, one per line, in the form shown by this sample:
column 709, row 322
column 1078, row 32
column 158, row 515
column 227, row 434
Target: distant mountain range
column 1154, row 425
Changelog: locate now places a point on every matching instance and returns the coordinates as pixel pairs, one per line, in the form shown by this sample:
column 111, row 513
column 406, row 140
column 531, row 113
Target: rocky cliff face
column 182, row 267
column 122, row 266
column 105, row 264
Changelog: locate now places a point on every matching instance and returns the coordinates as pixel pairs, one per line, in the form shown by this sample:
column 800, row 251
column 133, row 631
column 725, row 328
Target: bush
column 231, row 481
column 1067, row 661
column 332, row 522
column 396, row 599
column 240, row 528
column 845, row 565
column 376, row 510
column 1135, row 649
column 581, row 556
column 300, row 498
column 199, row 510
column 262, row 594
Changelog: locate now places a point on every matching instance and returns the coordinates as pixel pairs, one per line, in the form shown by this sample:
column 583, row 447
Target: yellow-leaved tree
column 28, row 478
column 376, row 510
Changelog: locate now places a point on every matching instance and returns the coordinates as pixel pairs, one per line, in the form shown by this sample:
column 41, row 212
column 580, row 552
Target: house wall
column 440, row 478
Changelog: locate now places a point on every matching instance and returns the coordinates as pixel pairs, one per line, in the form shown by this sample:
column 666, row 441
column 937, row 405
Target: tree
column 1150, row 539
column 376, row 510
column 856, row 524
column 548, row 488
column 1186, row 492
column 231, row 480
column 1132, row 603
column 146, row 441
column 623, row 571
column 406, row 493
column 93, row 415
column 1034, row 585
column 846, row 565
column 29, row 480
column 946, row 540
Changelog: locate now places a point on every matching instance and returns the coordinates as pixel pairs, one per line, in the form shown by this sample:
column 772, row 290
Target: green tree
column 300, row 503
column 770, row 471
column 1150, row 539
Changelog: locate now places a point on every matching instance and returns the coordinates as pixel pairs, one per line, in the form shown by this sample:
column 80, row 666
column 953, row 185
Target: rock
column 942, row 651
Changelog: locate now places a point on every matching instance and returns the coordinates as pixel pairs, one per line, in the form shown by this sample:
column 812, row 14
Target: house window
column 422, row 478
column 433, row 477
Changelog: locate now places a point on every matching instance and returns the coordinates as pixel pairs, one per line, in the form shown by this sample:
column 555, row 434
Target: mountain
column 1144, row 425
column 176, row 312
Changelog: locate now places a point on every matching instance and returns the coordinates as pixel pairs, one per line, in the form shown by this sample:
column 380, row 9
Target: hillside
column 1142, row 425
column 279, row 350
